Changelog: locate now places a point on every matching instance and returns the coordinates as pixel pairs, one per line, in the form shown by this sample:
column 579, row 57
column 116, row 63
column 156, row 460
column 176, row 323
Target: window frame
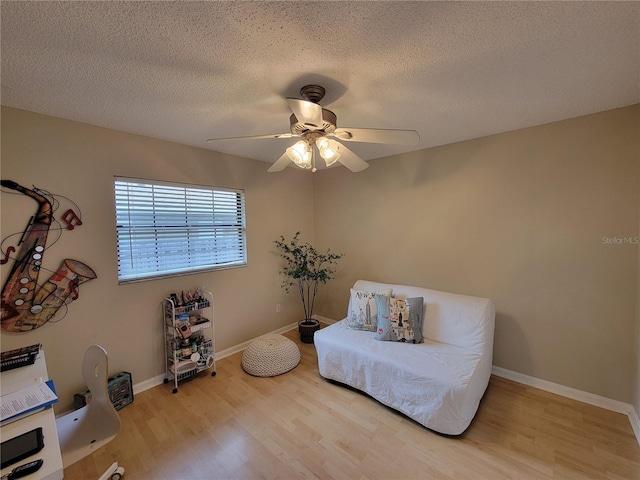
column 192, row 228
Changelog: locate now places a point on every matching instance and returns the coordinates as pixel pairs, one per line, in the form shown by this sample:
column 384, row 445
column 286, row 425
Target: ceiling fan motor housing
column 328, row 124
column 312, row 93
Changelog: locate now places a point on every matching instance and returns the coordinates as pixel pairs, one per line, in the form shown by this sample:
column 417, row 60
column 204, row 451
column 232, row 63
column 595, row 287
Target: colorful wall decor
column 26, row 304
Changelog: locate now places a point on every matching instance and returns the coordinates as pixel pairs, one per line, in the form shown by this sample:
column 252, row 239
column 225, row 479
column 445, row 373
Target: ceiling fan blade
column 307, row 113
column 350, row 160
column 377, row 135
column 280, row 164
column 255, row 137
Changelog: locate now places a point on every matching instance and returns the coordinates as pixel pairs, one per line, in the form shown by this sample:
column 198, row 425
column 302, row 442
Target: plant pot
column 307, row 328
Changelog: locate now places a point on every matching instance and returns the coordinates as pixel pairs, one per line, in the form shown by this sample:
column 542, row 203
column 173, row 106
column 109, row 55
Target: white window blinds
column 169, row 229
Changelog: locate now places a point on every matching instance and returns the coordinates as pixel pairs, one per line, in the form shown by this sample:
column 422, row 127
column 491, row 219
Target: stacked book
column 19, row 357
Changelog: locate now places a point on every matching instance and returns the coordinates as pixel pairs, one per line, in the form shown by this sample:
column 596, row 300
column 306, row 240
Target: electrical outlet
column 278, row 308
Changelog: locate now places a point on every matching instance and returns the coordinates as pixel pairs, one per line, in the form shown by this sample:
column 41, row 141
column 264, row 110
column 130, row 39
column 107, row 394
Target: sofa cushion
column 363, row 311
column 399, row 319
column 451, row 318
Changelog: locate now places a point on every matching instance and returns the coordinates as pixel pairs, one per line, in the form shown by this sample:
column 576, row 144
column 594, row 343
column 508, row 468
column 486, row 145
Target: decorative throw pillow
column 363, row 314
column 399, row 319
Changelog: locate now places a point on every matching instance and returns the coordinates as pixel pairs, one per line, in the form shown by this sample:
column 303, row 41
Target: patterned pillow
column 399, row 320
column 363, row 314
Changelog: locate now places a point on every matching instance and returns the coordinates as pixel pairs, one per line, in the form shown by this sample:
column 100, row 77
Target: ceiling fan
column 317, row 126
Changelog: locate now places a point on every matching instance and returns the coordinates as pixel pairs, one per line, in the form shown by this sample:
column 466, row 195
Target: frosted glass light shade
column 329, row 150
column 300, row 154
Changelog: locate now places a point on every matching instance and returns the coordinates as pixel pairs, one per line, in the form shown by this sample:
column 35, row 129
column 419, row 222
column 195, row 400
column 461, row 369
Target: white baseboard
column 159, row 379
column 147, row 384
column 322, row 319
column 579, row 395
column 635, row 423
column 240, row 347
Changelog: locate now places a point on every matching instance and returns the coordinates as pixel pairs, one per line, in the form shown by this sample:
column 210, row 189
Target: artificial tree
column 305, row 268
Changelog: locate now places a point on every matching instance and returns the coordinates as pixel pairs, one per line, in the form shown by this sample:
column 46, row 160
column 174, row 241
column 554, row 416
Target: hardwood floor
column 298, row 425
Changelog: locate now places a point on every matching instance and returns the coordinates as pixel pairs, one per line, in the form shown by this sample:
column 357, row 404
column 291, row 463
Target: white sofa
column 438, row 383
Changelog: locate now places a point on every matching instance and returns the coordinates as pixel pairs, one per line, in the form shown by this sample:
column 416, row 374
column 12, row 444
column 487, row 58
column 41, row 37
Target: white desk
column 13, row 380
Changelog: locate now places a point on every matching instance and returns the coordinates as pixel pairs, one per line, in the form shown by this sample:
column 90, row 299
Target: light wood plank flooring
column 298, row 425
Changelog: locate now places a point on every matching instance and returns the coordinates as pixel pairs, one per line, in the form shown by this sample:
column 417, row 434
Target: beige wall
column 636, row 398
column 518, row 217
column 79, row 161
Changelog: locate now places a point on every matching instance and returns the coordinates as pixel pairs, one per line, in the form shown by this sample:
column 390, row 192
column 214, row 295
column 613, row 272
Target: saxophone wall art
column 26, row 304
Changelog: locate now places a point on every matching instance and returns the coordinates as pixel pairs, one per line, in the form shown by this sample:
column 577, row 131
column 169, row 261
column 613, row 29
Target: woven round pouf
column 270, row 355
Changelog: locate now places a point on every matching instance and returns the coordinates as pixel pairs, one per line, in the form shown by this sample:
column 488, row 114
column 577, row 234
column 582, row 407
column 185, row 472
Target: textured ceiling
column 189, row 71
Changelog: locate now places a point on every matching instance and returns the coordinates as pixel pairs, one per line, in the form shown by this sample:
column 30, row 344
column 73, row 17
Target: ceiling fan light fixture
column 313, row 124
column 300, row 154
column 329, row 150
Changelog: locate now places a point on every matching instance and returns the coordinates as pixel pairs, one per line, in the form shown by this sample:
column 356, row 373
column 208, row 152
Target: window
column 166, row 229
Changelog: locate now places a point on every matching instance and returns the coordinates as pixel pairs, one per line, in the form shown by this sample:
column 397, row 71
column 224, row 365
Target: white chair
column 85, row 430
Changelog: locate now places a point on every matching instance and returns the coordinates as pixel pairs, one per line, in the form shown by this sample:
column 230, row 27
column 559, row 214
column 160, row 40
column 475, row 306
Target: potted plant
column 305, row 269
